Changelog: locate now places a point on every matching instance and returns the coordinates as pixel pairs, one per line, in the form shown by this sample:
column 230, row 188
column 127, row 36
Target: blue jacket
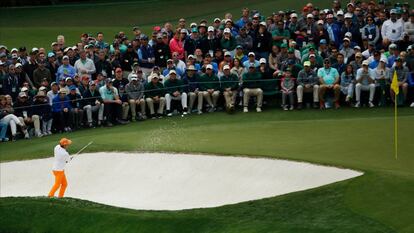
column 64, row 72
column 144, row 53
column 58, row 105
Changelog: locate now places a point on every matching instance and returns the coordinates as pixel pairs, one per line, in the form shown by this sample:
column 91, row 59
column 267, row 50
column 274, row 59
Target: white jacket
column 392, row 30
column 88, row 66
column 61, row 158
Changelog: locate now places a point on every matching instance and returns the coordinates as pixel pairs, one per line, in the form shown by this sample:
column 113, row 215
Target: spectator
column 112, row 103
column 287, row 86
column 262, row 41
column 392, row 29
column 42, row 109
column 84, row 65
column 347, row 83
column 155, row 94
column 9, row 119
column 65, row 70
column 41, row 73
column 402, row 76
column 191, row 79
column 103, row 66
column 228, row 42
column 177, row 43
column 251, row 87
column 161, row 52
column 329, row 81
column 146, row 56
column 119, row 82
column 382, row 75
column 365, row 81
column 135, row 91
column 175, row 91
column 229, row 86
column 307, row 81
column 209, row 86
column 409, row 27
column 244, row 40
column 92, row 102
column 76, row 108
column 370, row 31
column 61, row 110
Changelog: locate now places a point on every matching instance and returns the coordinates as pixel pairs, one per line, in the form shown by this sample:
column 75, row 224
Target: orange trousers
column 60, row 182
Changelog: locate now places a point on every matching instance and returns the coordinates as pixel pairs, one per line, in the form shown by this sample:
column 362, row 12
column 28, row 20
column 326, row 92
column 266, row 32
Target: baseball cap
column 348, row 16
column 210, row 29
column 226, row 30
column 209, row 66
column 52, row 84
column 312, row 55
column 13, row 50
column 134, row 77
column 193, row 25
column 359, row 54
column 320, row 21
column 322, row 41
column 65, row 142
column 92, row 83
column 51, row 54
column 22, row 94
column 191, row 67
column 239, row 47
column 53, row 44
column 393, row 11
column 191, row 56
column 365, row 63
column 392, row 46
column 227, row 53
column 262, row 61
column 383, row 59
column 41, row 93
column 24, row 89
column 309, row 16
column 226, row 67
column 263, row 24
column 347, row 39
column 65, row 57
column 306, row 63
column 183, row 31
column 63, row 90
column 357, row 47
column 251, row 54
column 42, row 88
column 68, row 79
column 72, row 88
column 172, row 72
column 18, row 65
column 293, row 15
column 35, row 49
column 340, row 12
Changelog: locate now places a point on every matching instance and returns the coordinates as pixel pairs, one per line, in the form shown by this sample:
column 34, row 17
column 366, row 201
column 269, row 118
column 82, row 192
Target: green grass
column 378, row 201
column 39, row 26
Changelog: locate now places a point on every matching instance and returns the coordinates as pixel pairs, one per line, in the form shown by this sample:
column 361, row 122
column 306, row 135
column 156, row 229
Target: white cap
column 340, row 12
column 392, row 46
column 251, row 53
column 18, row 65
column 217, row 19
column 312, row 55
column 348, row 34
column 347, row 39
column 226, row 30
column 193, row 25
column 172, row 72
column 134, row 77
column 42, row 88
column 383, row 59
column 24, row 89
column 226, row 67
column 191, row 56
column 74, row 47
column 348, row 16
column 209, row 66
column 227, row 53
column 293, row 15
column 365, row 63
column 35, row 49
column 357, row 47
column 65, row 57
column 262, row 60
column 320, row 21
column 183, row 31
column 13, row 50
column 210, row 29
column 263, row 23
column 309, row 16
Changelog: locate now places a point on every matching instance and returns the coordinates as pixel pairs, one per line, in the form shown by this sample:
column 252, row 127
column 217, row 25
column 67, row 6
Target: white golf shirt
column 61, row 158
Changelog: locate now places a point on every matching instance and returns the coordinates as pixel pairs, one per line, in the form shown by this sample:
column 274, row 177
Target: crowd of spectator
column 315, row 58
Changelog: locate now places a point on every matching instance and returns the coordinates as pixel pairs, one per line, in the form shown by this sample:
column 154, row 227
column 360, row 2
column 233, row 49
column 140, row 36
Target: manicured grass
column 379, row 201
column 39, row 26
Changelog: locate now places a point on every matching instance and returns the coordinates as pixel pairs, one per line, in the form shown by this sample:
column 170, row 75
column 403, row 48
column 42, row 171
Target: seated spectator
column 347, row 83
column 112, row 103
column 209, row 86
column 123, row 96
column 9, row 119
column 287, row 86
column 307, row 81
column 329, row 81
column 135, row 91
column 229, row 86
column 365, row 81
column 54, row 89
column 42, row 108
column 251, row 87
column 382, row 82
column 155, row 94
column 24, row 111
column 174, row 89
column 251, row 60
column 76, row 108
column 190, row 79
column 402, row 76
column 61, row 109
column 146, row 56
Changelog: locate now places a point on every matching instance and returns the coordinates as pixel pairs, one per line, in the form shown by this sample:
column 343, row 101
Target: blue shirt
column 328, row 75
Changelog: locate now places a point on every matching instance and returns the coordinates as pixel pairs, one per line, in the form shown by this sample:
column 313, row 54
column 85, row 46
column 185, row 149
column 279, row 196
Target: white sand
column 160, row 181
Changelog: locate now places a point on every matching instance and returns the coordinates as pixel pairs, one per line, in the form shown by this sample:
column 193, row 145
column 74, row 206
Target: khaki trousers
column 249, row 92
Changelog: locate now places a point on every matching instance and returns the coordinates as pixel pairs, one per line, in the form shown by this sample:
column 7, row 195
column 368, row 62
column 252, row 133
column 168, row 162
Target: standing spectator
column 392, row 29
column 112, row 103
column 177, row 43
column 175, row 91
column 103, row 66
column 365, row 81
column 209, row 86
column 347, row 82
column 84, row 65
column 244, row 40
column 307, row 82
column 382, row 75
column 280, row 35
column 146, row 56
column 155, row 94
column 41, row 73
column 42, row 109
column 229, row 86
column 228, row 42
column 251, row 87
column 92, row 102
column 65, row 70
column 76, row 107
column 61, row 111
column 161, row 52
column 370, row 31
column 262, row 42
column 135, row 91
column 11, row 83
column 409, row 27
column 329, row 81
column 52, row 65
column 31, row 65
column 119, row 82
column 287, row 86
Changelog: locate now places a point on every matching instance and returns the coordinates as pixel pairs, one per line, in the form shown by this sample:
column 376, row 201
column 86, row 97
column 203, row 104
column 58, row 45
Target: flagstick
column 395, row 128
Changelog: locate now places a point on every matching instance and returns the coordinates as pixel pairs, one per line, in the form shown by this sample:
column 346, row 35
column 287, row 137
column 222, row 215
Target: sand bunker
column 161, row 181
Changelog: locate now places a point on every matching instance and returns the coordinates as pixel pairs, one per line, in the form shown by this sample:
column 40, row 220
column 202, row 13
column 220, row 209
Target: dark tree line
column 16, row 3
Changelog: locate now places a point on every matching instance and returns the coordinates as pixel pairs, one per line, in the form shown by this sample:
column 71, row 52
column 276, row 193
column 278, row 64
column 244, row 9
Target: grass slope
column 379, row 201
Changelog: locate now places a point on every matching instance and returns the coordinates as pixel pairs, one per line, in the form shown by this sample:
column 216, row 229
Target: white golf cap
column 210, row 29
column 251, row 54
column 262, row 61
column 348, row 34
column 35, row 49
column 24, row 89
column 183, row 31
column 226, row 67
column 309, row 16
column 383, row 59
column 226, row 30
column 191, row 56
column 347, row 39
column 348, row 16
column 13, row 50
column 172, row 72
column 340, row 12
column 65, row 57
column 293, row 15
column 320, row 21
column 263, row 23
column 365, row 63
column 209, row 66
column 217, row 19
column 357, row 47
column 392, row 46
column 18, row 65
column 42, row 88
column 193, row 25
column 134, row 77
column 227, row 53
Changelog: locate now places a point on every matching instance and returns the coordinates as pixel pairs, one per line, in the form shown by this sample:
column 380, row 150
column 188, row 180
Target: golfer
column 61, row 158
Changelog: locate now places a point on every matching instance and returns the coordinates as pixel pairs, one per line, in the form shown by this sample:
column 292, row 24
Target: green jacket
column 231, row 81
column 152, row 90
column 284, row 33
column 173, row 86
column 229, row 45
column 207, row 82
column 251, row 80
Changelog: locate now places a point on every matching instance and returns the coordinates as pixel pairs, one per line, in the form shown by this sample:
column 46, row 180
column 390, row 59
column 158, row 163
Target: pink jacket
column 177, row 46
